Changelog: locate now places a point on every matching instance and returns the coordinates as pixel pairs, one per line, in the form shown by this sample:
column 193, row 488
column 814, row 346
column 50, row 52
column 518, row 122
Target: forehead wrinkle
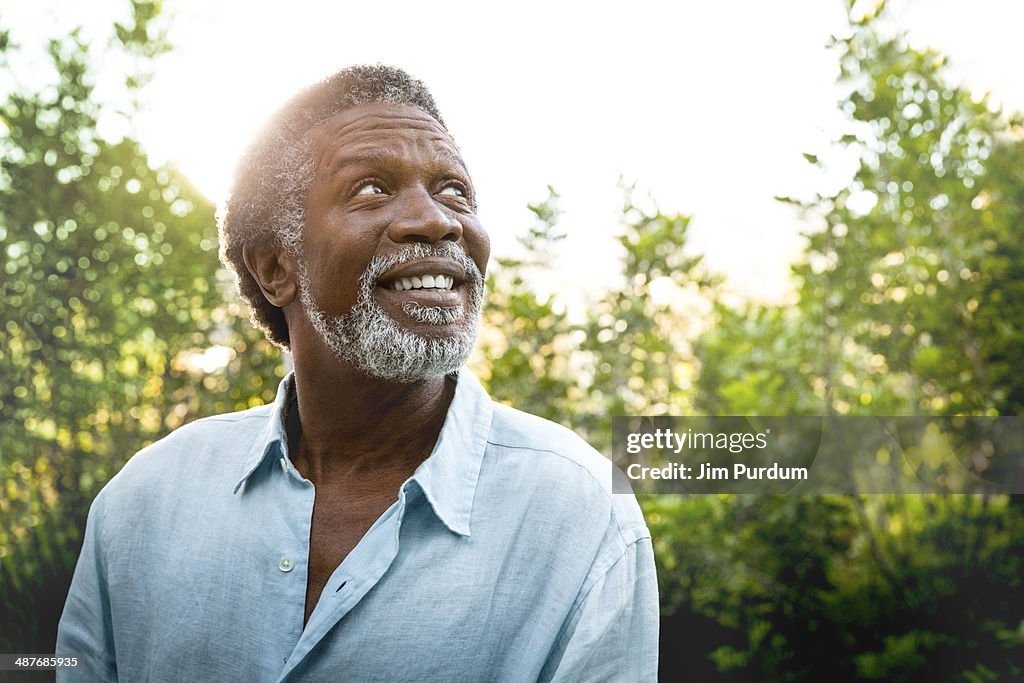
column 345, row 123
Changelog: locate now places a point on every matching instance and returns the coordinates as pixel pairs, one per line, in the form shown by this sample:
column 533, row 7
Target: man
column 383, row 519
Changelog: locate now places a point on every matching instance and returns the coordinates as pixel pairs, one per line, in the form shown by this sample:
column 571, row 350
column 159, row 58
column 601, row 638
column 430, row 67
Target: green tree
column 907, row 304
column 111, row 305
column 919, row 260
column 637, row 352
column 527, row 341
column 628, row 355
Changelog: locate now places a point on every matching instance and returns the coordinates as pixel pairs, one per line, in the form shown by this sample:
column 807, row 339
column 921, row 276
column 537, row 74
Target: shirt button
column 285, row 564
column 284, row 465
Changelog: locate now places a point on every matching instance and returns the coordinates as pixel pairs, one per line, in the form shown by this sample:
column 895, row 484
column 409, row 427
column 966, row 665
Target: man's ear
column 275, row 271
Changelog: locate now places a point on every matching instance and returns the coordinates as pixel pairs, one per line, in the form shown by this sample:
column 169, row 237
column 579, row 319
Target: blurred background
column 727, row 208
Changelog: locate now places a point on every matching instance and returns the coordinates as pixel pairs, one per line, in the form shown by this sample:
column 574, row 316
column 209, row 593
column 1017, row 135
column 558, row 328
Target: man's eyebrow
column 440, row 160
column 367, row 156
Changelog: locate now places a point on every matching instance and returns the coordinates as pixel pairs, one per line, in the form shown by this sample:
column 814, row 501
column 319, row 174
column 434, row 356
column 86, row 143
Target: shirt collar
column 273, row 439
column 448, row 478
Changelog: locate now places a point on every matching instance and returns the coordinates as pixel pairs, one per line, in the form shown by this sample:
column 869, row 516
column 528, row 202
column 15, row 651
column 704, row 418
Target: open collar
column 448, row 478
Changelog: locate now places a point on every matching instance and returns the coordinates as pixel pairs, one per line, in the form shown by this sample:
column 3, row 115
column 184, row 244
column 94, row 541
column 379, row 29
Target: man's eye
column 452, row 191
column 370, row 188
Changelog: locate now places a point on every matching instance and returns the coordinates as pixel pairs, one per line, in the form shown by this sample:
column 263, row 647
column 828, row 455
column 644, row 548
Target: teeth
column 442, row 282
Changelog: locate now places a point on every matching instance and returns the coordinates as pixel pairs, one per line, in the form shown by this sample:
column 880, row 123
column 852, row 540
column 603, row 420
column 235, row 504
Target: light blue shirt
column 505, row 557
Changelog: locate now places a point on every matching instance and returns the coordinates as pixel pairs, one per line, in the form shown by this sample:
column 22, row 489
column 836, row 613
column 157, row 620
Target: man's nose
column 422, row 219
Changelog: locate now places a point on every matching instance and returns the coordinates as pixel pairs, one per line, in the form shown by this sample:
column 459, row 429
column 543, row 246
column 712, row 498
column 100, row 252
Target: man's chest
column 337, row 526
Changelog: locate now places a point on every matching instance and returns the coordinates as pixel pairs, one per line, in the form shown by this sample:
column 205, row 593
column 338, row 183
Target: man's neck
column 354, row 427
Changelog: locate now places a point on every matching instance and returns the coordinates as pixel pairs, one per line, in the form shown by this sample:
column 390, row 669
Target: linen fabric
column 505, row 557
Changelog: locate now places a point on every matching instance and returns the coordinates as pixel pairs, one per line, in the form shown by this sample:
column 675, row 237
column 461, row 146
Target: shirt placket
column 361, row 570
column 290, row 556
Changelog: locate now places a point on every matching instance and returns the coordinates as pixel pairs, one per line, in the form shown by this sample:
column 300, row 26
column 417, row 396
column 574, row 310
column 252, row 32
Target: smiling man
column 383, row 519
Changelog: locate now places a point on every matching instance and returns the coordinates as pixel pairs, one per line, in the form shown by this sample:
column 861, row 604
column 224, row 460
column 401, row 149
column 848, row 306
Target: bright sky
column 708, row 106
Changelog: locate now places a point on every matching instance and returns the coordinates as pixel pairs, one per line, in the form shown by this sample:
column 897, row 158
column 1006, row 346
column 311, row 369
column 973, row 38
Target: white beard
column 376, row 344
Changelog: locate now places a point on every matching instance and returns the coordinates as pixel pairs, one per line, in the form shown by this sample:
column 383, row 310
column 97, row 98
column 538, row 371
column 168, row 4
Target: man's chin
column 411, row 351
column 406, row 370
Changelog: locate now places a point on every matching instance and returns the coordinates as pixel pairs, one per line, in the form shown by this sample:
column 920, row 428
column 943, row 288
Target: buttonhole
column 341, row 586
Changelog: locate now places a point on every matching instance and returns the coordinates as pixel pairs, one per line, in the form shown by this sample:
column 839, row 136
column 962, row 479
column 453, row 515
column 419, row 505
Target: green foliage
column 110, row 299
column 629, row 356
column 908, row 302
column 847, row 587
column 531, row 335
column 919, row 258
column 637, row 344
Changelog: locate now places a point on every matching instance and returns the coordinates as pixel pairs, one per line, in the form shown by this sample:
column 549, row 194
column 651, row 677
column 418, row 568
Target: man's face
column 393, row 256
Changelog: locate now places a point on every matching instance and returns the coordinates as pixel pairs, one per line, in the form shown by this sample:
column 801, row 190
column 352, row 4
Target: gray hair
column 267, row 200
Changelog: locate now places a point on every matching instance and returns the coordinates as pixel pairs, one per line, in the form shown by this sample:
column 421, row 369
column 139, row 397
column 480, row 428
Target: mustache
column 418, row 250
